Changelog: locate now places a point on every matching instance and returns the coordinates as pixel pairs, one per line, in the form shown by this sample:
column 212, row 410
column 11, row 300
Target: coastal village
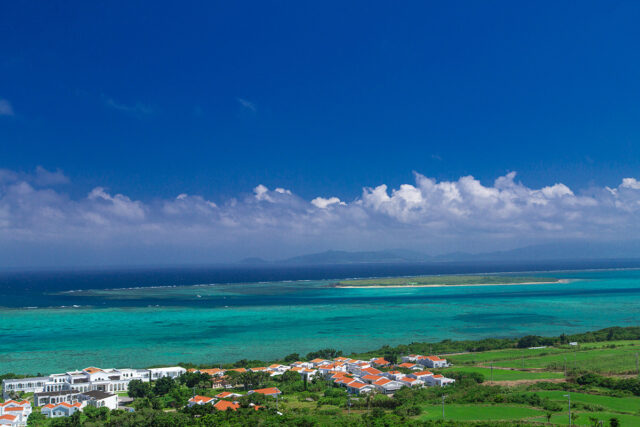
column 63, row 394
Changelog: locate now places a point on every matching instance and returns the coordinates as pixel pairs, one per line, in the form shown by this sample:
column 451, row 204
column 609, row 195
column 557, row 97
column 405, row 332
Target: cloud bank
column 40, row 224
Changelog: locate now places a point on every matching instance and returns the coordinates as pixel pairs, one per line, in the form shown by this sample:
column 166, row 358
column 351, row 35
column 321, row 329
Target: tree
column 195, row 379
column 614, row 422
column 293, row 357
column 252, row 380
column 327, row 353
column 138, row 388
column 163, row 386
column 290, row 377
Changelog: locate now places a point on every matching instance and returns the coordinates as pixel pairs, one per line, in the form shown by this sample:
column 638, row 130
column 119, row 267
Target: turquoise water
column 224, row 323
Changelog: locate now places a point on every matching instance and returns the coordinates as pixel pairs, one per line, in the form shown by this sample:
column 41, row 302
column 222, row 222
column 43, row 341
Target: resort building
column 100, row 399
column 172, row 372
column 14, row 413
column 63, row 409
column 26, row 385
column 88, row 379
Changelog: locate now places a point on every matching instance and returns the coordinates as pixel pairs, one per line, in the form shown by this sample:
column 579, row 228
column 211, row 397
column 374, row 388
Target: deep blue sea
column 60, row 320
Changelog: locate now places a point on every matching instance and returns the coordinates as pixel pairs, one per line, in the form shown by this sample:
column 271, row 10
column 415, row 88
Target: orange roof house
column 223, row 405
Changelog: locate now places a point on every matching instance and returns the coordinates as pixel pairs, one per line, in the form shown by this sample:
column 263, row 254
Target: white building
column 88, row 379
column 439, row 380
column 63, row 409
column 201, row 400
column 100, row 399
column 433, row 362
column 14, row 413
column 172, row 372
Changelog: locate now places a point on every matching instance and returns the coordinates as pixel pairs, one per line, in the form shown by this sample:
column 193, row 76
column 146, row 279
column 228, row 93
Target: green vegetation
column 533, row 395
column 444, row 280
column 480, row 412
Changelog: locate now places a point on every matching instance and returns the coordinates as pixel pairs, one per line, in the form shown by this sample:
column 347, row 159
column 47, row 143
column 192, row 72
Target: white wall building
column 15, row 413
column 172, row 372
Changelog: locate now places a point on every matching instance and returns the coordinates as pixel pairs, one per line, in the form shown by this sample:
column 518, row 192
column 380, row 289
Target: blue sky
column 321, row 99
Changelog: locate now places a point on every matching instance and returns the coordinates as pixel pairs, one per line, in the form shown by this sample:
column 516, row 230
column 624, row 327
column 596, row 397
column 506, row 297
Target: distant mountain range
column 555, row 251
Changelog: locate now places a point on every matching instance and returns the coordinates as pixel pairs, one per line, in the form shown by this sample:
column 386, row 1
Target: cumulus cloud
column 6, row 109
column 434, row 216
column 323, row 203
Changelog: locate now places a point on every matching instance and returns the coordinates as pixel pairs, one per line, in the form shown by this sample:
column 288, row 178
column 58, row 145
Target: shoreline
column 560, row 281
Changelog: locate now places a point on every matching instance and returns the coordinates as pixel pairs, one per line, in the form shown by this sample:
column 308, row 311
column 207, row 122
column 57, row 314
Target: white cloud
column 137, row 109
column 247, row 104
column 434, row 216
column 322, row 203
column 6, row 109
column 46, row 178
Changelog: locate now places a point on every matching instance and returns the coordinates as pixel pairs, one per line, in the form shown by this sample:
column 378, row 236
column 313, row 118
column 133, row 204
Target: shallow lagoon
column 222, row 323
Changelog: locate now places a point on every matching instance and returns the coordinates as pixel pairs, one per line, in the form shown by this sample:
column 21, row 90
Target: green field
column 443, row 280
column 479, row 412
column 629, row 405
column 506, row 374
column 605, row 360
column 500, row 355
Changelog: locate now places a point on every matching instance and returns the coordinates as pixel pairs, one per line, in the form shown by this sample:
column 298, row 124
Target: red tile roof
column 8, row 417
column 421, row 373
column 268, row 391
column 203, row 399
column 225, row 394
column 223, row 405
column 372, row 371
column 407, row 365
column 357, row 385
column 435, row 359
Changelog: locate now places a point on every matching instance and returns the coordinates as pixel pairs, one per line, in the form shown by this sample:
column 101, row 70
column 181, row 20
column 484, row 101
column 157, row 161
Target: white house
column 394, row 375
column 201, row 400
column 15, row 413
column 100, row 399
column 439, row 380
column 433, row 362
column 422, row 375
column 357, row 387
column 411, row 382
column 387, row 386
column 63, row 409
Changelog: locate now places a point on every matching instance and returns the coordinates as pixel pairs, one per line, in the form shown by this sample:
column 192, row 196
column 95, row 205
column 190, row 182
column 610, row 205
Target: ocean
column 52, row 321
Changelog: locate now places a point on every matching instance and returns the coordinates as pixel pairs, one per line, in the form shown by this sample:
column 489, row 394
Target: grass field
column 443, row 280
column 629, row 405
column 479, row 412
column 605, row 360
column 598, row 357
column 506, row 375
column 583, row 418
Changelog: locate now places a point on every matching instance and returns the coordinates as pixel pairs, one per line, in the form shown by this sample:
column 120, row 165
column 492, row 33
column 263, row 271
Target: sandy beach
column 446, row 286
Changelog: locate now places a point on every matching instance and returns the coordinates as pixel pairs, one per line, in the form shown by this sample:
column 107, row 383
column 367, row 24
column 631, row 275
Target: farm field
column 619, row 404
column 505, row 374
column 618, row 360
column 479, row 412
